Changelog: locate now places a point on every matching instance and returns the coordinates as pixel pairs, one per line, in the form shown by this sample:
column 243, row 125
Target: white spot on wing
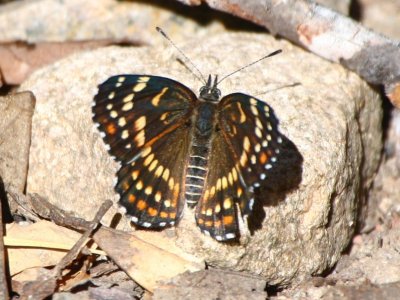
column 251, row 203
column 258, row 133
column 146, row 224
column 122, row 210
column 127, row 106
column 230, row 235
column 139, row 87
column 206, row 232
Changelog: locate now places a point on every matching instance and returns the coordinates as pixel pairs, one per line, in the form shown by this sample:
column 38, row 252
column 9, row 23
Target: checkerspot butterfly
column 176, row 148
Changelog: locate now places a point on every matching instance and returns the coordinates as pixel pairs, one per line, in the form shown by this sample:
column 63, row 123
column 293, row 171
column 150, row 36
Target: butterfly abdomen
column 203, row 122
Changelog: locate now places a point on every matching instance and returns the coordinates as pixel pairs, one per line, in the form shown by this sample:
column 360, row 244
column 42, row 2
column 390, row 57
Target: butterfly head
column 210, row 91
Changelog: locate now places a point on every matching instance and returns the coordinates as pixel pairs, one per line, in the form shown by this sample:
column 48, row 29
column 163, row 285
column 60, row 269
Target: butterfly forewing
column 142, row 119
column 251, row 130
column 135, row 110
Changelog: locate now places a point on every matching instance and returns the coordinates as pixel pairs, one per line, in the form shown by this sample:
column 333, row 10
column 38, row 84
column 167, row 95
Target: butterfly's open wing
column 243, row 150
column 142, row 119
column 225, row 193
column 250, row 128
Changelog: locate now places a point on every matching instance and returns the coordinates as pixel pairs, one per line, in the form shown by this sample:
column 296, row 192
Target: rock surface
column 74, row 20
column 15, row 138
column 307, row 215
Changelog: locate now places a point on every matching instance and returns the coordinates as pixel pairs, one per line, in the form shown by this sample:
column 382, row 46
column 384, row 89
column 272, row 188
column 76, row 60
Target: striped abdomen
column 197, row 166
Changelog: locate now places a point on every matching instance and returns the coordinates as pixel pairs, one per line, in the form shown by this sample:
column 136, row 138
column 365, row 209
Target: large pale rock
column 307, row 214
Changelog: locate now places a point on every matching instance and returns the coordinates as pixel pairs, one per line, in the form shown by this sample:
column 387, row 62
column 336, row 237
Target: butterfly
column 178, row 149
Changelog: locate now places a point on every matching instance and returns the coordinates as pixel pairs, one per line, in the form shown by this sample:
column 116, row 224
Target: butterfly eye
column 216, row 93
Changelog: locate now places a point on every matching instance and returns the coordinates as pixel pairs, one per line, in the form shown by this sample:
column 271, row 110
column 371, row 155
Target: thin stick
column 201, row 78
column 74, row 251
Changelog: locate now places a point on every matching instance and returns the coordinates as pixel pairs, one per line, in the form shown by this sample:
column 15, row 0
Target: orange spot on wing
column 131, row 198
column 176, row 195
column 125, row 186
column 172, row 215
column 111, row 129
column 163, row 215
column 217, row 223
column 141, row 205
column 242, row 114
column 152, row 211
column 263, row 158
column 208, row 223
column 227, row 220
column 176, row 190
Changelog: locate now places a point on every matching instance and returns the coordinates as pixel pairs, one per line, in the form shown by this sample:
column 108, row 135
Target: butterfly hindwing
column 225, row 197
column 151, row 187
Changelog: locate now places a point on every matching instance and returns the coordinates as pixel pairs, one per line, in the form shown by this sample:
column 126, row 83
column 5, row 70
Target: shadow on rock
column 284, row 177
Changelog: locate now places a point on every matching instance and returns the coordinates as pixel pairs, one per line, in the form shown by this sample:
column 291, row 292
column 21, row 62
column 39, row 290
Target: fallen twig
column 324, row 32
column 41, row 289
column 73, row 253
column 145, row 262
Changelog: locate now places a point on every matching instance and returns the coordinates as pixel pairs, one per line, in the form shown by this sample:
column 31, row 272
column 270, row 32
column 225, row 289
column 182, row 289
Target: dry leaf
column 41, row 234
column 144, row 262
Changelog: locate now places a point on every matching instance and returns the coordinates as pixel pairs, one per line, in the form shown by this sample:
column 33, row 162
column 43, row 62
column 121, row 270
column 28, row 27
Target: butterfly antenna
column 201, row 78
column 249, row 65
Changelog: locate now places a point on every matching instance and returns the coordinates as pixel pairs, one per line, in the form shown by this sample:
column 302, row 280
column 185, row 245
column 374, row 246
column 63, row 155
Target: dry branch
column 324, row 32
column 146, row 262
